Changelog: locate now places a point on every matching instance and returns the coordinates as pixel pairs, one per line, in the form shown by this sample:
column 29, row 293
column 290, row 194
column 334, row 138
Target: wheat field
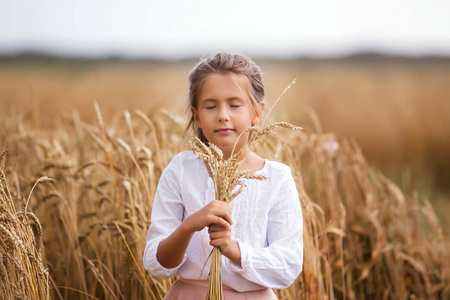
column 367, row 233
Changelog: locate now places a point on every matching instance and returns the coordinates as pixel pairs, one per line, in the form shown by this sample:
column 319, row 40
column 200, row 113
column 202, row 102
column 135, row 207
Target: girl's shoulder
column 272, row 167
column 278, row 173
column 184, row 156
column 185, row 159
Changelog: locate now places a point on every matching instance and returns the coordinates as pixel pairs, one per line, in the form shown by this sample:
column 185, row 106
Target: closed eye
column 235, row 105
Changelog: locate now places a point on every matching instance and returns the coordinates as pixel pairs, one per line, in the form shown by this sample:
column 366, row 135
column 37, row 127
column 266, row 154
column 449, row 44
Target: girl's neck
column 227, row 153
column 250, row 160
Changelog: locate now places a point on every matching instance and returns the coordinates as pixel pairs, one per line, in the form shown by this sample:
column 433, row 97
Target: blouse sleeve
column 167, row 215
column 280, row 263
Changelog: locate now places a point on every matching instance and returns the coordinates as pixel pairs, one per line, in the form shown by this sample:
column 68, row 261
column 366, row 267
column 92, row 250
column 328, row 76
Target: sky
column 177, row 29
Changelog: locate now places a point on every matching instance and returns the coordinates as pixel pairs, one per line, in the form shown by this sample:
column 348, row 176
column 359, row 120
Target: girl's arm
column 172, row 249
column 166, row 219
column 278, row 264
column 171, row 230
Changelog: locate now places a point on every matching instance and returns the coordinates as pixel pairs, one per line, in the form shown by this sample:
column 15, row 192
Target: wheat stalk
column 43, row 179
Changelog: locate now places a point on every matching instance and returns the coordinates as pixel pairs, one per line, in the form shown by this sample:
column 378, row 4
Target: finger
column 224, row 214
column 221, row 209
column 221, row 222
column 223, row 205
column 213, row 228
column 217, row 228
column 219, row 235
column 218, row 218
column 217, row 243
column 212, row 236
column 227, row 207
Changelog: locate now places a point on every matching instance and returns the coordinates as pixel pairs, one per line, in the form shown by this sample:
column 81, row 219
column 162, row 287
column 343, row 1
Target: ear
column 256, row 118
column 196, row 117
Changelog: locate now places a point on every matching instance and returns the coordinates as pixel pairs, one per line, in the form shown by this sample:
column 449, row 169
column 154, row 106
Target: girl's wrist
column 186, row 227
column 235, row 253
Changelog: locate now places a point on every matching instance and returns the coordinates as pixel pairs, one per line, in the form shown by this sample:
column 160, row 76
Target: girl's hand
column 172, row 249
column 216, row 212
column 221, row 237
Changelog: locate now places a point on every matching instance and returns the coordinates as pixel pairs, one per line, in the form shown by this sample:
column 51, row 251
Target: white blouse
column 267, row 224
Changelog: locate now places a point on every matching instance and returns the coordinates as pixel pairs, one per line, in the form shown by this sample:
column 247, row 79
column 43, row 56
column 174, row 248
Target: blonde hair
column 244, row 68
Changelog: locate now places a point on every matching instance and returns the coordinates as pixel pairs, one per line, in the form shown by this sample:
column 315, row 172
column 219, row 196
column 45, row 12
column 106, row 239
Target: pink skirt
column 195, row 289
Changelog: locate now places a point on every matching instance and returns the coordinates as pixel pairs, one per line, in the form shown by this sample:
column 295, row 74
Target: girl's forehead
column 225, row 83
column 227, row 78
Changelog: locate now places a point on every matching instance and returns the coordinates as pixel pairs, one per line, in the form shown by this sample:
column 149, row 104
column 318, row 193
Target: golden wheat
column 363, row 237
column 21, row 267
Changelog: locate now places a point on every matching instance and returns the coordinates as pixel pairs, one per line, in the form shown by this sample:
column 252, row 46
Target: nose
column 223, row 114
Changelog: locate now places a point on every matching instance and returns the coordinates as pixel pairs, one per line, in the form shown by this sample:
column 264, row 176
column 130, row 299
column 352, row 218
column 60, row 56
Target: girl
column 260, row 232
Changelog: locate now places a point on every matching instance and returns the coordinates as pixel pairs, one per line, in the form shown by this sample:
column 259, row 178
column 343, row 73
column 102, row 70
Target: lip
column 224, row 130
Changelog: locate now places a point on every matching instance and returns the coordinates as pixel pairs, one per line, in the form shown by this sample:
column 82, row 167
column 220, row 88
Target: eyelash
column 233, row 106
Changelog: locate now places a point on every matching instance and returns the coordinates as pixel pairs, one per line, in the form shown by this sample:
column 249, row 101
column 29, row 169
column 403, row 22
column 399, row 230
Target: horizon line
column 357, row 54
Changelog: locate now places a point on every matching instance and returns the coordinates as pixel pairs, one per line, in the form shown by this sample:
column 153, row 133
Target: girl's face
column 223, row 112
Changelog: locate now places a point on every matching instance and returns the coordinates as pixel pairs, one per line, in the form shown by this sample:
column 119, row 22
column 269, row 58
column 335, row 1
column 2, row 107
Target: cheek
column 204, row 119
